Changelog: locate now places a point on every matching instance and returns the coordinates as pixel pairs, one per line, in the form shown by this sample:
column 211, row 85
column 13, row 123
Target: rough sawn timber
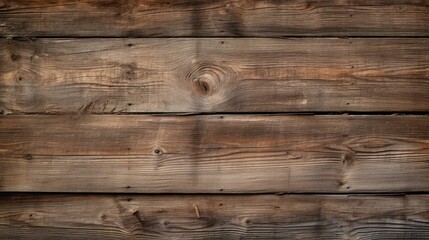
column 214, row 153
column 214, row 75
column 184, row 18
column 53, row 216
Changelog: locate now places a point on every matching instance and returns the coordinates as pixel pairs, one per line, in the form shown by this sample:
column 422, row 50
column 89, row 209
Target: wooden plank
column 214, row 75
column 155, row 18
column 214, row 153
column 38, row 216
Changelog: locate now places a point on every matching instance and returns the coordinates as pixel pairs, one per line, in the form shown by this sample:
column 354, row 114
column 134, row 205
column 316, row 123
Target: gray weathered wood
column 214, row 153
column 213, row 75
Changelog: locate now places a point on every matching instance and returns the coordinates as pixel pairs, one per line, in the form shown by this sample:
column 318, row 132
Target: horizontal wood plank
column 214, row 153
column 149, row 18
column 38, row 216
column 214, row 75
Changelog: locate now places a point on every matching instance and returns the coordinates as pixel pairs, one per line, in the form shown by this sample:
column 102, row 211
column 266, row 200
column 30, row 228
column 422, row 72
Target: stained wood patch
column 38, row 216
column 151, row 18
column 214, row 153
column 213, row 75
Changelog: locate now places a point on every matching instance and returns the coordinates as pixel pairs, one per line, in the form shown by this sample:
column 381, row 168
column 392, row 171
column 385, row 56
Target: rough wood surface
column 214, row 153
column 213, row 75
column 38, row 216
column 149, row 18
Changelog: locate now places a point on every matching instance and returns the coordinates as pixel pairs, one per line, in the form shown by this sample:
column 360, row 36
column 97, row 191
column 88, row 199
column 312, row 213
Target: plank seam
column 349, row 113
column 208, row 37
column 408, row 193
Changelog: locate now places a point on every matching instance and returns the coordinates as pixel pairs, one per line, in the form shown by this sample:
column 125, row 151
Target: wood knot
column 212, row 82
column 202, row 86
column 103, row 217
column 158, row 151
column 347, row 158
column 206, row 79
column 246, row 221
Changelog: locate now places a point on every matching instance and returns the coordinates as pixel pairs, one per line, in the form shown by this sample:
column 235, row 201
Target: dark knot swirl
column 208, row 80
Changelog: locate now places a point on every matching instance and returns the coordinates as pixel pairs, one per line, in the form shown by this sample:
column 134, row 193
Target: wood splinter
column 196, row 210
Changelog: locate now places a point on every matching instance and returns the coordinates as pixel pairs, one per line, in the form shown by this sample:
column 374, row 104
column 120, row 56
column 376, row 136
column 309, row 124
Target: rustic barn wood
column 51, row 216
column 214, row 119
column 214, row 153
column 214, row 75
column 152, row 18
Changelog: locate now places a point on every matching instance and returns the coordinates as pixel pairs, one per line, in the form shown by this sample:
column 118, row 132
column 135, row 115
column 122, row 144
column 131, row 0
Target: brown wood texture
column 151, row 18
column 38, row 216
column 214, row 153
column 214, row 75
column 214, row 119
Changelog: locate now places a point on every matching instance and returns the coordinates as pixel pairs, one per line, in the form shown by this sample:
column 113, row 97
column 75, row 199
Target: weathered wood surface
column 38, row 216
column 214, row 153
column 150, row 18
column 214, row 75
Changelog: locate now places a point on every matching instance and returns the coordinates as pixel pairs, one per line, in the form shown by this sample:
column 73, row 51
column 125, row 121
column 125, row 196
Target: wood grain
column 38, row 216
column 214, row 153
column 155, row 18
column 214, row 75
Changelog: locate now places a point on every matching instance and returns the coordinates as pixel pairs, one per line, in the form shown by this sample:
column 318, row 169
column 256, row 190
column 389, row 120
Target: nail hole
column 130, row 45
column 157, row 151
column 221, row 189
column 128, row 187
column 28, row 157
